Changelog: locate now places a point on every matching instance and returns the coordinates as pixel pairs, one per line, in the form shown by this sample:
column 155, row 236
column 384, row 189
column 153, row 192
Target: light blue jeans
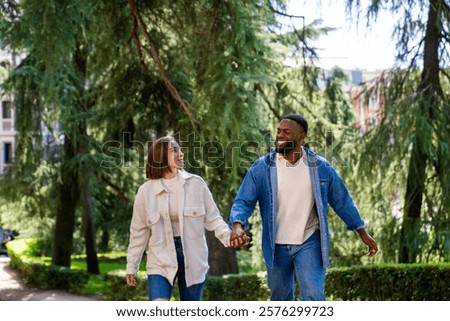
column 160, row 288
column 301, row 262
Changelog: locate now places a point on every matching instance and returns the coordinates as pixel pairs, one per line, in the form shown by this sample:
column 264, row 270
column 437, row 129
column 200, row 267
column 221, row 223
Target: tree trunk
column 413, row 204
column 104, row 241
column 65, row 212
column 83, row 106
column 222, row 260
column 429, row 88
column 89, row 229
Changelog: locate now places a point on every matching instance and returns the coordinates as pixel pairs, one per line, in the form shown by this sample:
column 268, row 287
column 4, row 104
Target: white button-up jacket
column 151, row 227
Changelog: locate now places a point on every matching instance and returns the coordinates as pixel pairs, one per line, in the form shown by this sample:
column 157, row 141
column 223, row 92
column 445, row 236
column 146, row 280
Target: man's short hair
column 299, row 119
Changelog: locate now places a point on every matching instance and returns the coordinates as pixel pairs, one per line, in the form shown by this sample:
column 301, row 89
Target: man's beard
column 288, row 147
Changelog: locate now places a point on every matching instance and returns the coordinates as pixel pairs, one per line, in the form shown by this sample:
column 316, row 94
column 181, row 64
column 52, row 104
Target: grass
column 108, row 262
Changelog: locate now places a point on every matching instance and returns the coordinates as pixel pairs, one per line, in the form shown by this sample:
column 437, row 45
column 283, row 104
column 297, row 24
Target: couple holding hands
column 293, row 186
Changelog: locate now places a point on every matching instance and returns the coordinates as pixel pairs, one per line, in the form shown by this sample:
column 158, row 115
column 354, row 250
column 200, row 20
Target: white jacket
column 150, row 226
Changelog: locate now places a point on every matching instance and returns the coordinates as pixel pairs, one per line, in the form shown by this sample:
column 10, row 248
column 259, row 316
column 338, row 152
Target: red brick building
column 368, row 101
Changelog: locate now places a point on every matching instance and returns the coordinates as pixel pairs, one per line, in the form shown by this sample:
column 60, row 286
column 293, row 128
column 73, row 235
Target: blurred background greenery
column 95, row 82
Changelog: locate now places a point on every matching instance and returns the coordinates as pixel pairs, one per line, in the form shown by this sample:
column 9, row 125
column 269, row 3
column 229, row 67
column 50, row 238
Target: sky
column 350, row 46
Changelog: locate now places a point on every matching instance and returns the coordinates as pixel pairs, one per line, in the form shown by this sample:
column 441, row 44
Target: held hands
column 238, row 237
column 131, row 281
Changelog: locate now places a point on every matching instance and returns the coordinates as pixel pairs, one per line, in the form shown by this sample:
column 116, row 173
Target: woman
column 170, row 214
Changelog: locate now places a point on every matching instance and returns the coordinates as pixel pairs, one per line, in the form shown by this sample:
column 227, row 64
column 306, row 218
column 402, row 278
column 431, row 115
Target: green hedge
column 33, row 272
column 399, row 282
column 118, row 291
column 237, row 287
column 233, row 287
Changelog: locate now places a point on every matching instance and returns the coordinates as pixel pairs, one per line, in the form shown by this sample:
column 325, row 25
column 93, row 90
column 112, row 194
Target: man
column 294, row 186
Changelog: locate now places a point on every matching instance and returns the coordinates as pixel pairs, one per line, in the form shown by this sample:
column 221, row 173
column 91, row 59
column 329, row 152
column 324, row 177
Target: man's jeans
column 301, row 262
column 160, row 288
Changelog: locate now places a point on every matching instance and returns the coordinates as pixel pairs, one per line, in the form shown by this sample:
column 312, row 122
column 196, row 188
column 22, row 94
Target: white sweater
column 296, row 218
column 150, row 227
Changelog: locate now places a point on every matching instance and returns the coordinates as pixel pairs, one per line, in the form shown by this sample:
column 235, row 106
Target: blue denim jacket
column 260, row 185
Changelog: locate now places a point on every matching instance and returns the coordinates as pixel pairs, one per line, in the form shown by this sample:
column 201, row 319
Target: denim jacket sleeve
column 342, row 203
column 245, row 201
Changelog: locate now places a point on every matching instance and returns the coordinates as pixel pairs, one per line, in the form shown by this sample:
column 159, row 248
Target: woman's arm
column 139, row 236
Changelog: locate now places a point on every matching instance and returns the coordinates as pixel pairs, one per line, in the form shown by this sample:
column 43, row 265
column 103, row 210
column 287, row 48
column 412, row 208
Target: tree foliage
column 408, row 154
column 98, row 81
column 104, row 79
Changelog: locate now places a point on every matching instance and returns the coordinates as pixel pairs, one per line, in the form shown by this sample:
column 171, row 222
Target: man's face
column 289, row 136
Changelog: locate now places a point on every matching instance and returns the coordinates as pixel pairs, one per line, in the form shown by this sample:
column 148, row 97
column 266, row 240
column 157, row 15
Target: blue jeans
column 160, row 288
column 301, row 262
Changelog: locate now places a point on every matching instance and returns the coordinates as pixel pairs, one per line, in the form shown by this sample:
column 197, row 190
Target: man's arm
column 342, row 203
column 344, row 206
column 243, row 207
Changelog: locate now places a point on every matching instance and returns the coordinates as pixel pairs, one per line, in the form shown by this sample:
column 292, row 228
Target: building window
column 373, row 120
column 6, row 109
column 373, row 102
column 362, row 117
column 7, row 153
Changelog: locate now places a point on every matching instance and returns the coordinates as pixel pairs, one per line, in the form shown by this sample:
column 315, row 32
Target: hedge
column 395, row 282
column 33, row 272
column 233, row 287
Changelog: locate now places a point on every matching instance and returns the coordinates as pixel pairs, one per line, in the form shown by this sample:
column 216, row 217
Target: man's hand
column 238, row 237
column 369, row 241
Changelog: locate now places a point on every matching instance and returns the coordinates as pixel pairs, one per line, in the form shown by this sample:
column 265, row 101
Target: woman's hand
column 131, row 281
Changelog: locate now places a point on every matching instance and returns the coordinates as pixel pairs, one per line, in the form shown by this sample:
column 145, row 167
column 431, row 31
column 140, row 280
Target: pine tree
column 415, row 124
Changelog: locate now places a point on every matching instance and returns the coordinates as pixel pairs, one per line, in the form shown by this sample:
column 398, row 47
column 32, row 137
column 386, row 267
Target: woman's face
column 175, row 157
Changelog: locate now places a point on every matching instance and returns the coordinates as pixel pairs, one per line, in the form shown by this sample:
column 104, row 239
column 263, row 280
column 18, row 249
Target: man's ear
column 301, row 136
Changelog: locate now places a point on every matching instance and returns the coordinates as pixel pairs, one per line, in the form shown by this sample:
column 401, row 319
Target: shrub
column 117, row 290
column 34, row 272
column 237, row 287
column 397, row 282
column 233, row 287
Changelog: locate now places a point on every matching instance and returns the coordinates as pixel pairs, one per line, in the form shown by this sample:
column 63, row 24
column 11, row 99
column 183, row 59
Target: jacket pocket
column 194, row 217
column 155, row 225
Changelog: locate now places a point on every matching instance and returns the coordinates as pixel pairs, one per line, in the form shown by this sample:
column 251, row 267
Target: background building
column 364, row 94
column 8, row 132
column 368, row 101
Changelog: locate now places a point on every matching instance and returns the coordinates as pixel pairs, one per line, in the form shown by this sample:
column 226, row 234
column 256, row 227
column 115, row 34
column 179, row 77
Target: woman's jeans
column 302, row 262
column 160, row 288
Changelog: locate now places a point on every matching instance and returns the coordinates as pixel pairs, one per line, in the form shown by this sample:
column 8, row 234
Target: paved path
column 12, row 289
